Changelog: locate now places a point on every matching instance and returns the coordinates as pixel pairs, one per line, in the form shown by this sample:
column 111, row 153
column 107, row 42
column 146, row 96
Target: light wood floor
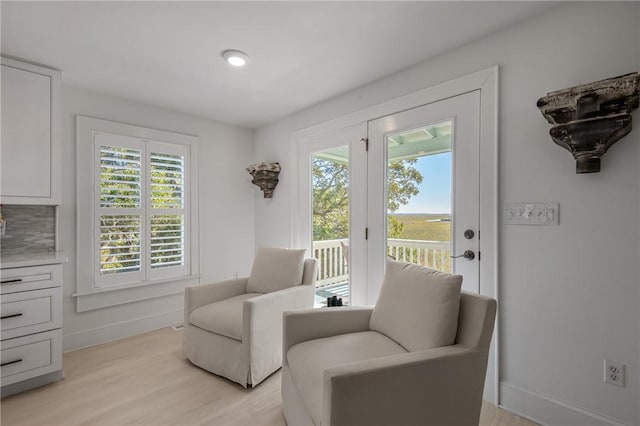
column 144, row 380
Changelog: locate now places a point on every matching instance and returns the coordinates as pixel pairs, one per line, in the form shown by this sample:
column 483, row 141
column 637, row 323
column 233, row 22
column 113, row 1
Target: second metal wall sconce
column 265, row 176
column 588, row 119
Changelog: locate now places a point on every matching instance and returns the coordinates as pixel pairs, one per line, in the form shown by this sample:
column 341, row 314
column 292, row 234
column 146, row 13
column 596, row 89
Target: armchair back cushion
column 417, row 307
column 276, row 269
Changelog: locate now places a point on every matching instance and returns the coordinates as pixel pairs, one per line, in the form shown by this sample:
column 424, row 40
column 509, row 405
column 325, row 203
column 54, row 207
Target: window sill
column 131, row 293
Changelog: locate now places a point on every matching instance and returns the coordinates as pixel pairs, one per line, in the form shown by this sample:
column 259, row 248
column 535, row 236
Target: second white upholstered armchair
column 234, row 328
column 419, row 357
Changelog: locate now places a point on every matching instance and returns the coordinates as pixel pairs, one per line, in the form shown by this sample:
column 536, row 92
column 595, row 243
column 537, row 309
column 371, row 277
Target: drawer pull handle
column 15, row 280
column 12, row 316
column 11, row 362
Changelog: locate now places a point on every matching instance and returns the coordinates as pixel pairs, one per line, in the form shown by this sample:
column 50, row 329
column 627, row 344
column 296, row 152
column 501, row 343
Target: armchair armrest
column 264, row 312
column 296, row 297
column 262, row 326
column 300, row 326
column 262, row 315
column 201, row 295
column 440, row 386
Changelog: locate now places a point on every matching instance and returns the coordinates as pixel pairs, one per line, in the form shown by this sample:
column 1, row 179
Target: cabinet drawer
column 27, row 357
column 30, row 356
column 14, row 280
column 30, row 312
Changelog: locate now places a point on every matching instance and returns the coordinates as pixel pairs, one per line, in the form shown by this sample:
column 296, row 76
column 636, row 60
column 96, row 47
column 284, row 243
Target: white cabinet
column 31, row 326
column 30, row 151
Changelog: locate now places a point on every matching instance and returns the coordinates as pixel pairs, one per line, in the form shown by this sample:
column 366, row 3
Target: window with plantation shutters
column 142, row 212
column 137, row 213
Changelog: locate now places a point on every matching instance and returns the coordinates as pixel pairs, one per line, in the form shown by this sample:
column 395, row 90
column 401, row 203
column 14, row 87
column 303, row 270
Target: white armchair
column 234, row 328
column 360, row 366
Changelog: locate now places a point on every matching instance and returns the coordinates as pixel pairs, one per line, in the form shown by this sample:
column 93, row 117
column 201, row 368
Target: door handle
column 468, row 254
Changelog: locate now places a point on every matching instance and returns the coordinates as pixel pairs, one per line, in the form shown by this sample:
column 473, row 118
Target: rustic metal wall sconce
column 588, row 119
column 265, row 176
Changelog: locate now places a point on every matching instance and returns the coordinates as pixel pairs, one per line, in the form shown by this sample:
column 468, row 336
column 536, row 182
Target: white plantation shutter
column 167, row 221
column 141, row 214
column 119, row 221
column 120, row 177
column 167, row 241
column 167, row 181
column 120, row 249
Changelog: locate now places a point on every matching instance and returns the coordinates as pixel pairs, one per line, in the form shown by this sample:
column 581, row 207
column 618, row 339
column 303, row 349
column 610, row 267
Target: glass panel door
column 330, row 211
column 419, row 196
column 329, row 219
column 423, row 190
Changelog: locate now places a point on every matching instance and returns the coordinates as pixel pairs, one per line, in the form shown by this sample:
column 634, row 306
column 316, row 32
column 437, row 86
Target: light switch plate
column 531, row 213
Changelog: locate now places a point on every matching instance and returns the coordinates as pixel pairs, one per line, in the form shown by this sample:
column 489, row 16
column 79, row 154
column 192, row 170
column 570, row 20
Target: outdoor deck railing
column 333, row 259
column 332, row 262
column 432, row 254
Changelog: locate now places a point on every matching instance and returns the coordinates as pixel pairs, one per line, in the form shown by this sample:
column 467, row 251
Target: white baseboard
column 548, row 411
column 119, row 330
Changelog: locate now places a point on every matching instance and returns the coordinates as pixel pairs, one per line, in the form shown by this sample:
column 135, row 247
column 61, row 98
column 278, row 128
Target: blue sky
column 435, row 189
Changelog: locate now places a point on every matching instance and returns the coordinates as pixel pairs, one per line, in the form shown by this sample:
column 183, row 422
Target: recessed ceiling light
column 236, row 58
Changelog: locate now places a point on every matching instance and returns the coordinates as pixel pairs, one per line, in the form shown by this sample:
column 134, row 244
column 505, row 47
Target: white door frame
column 487, row 82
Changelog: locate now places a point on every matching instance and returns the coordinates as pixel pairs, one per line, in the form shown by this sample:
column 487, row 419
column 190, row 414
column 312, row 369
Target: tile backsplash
column 28, row 229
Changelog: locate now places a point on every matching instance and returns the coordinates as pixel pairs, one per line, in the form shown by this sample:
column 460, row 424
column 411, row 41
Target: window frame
column 94, row 291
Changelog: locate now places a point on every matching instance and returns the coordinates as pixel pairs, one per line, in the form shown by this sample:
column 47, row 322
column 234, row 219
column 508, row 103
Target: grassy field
column 425, row 227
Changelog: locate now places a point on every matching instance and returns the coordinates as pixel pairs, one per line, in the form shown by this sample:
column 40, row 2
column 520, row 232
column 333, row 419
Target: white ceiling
column 301, row 53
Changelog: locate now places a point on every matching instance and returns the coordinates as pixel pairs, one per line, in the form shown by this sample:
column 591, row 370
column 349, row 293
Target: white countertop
column 32, row 259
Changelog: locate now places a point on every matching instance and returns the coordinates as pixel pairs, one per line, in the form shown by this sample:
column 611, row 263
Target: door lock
column 469, row 234
column 468, row 254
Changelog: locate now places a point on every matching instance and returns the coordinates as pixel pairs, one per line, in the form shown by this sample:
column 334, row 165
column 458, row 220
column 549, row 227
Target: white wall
column 226, row 212
column 569, row 295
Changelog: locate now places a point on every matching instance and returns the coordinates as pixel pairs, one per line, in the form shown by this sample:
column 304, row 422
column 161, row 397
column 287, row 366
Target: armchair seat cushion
column 308, row 360
column 224, row 317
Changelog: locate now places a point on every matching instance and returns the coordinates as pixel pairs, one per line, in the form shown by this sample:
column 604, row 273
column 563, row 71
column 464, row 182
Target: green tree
column 402, row 184
column 331, row 196
column 330, row 200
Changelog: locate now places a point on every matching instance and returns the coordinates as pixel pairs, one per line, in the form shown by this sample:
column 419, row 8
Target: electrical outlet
column 614, row 373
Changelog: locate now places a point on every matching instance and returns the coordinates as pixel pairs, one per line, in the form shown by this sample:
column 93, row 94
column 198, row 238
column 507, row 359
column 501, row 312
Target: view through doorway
column 418, row 187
